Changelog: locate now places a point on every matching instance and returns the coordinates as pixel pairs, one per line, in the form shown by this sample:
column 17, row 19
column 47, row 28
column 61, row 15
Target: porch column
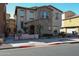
column 65, row 30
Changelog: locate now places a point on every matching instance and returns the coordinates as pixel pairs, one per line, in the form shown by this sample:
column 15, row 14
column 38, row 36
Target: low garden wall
column 26, row 36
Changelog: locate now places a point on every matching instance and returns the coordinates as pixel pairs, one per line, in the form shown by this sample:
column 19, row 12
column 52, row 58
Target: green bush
column 47, row 35
column 62, row 34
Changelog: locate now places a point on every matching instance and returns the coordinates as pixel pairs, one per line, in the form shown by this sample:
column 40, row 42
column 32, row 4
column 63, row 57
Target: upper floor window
column 21, row 13
column 31, row 15
column 58, row 16
column 31, row 11
column 44, row 14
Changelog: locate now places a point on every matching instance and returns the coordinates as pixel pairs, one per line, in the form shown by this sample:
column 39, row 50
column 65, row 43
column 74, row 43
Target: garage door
column 71, row 30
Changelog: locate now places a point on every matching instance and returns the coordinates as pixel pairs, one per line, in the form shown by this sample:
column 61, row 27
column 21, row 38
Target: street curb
column 25, row 46
column 55, row 43
column 16, row 47
column 8, row 48
column 52, row 43
column 63, row 43
column 71, row 42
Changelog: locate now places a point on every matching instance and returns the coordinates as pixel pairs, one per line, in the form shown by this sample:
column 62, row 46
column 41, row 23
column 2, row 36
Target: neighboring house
column 70, row 24
column 10, row 26
column 68, row 14
column 2, row 19
column 7, row 16
column 7, row 23
column 38, row 20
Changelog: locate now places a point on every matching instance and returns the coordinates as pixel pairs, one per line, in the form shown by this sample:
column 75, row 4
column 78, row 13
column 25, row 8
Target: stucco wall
column 49, row 25
column 71, row 22
column 19, row 19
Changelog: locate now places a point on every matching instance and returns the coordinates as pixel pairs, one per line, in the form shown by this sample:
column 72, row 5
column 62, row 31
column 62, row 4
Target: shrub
column 47, row 35
column 62, row 34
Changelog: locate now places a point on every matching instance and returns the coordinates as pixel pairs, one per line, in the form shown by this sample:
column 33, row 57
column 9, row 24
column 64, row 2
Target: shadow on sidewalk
column 46, row 40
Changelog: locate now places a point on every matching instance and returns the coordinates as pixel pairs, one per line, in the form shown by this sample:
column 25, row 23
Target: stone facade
column 10, row 26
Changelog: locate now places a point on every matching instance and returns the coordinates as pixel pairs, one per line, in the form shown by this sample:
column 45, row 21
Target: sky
column 62, row 6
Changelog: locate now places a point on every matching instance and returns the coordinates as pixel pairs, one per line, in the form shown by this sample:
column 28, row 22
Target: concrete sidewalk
column 5, row 46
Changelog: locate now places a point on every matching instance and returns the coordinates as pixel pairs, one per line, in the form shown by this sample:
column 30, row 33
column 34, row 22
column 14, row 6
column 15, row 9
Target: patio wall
column 26, row 36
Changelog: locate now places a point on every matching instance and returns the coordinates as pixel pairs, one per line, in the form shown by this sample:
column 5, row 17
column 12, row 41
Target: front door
column 31, row 30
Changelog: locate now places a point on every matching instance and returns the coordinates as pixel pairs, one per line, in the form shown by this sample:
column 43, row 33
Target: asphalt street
column 56, row 50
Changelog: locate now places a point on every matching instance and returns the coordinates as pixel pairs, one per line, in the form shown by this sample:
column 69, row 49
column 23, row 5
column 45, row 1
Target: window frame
column 22, row 12
column 44, row 14
column 57, row 16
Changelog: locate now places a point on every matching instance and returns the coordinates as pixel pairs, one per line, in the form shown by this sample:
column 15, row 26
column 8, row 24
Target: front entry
column 31, row 30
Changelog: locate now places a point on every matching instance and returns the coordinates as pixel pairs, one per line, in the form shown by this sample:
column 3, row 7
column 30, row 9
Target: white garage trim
column 70, row 30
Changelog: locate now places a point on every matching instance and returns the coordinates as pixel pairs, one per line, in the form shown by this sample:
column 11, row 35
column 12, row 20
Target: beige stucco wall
column 19, row 19
column 49, row 25
column 72, row 23
column 44, row 23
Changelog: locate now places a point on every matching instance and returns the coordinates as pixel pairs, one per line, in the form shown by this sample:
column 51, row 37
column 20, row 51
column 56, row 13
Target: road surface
column 59, row 50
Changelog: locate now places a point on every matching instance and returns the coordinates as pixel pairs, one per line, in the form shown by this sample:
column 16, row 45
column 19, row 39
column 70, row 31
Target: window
column 31, row 15
column 44, row 14
column 31, row 18
column 21, row 13
column 57, row 16
column 31, row 11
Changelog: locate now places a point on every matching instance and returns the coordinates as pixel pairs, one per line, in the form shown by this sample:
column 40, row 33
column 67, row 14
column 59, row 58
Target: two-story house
column 70, row 23
column 38, row 20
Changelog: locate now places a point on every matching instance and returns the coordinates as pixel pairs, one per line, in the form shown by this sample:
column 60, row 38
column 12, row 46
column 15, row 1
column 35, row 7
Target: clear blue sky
column 62, row 6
